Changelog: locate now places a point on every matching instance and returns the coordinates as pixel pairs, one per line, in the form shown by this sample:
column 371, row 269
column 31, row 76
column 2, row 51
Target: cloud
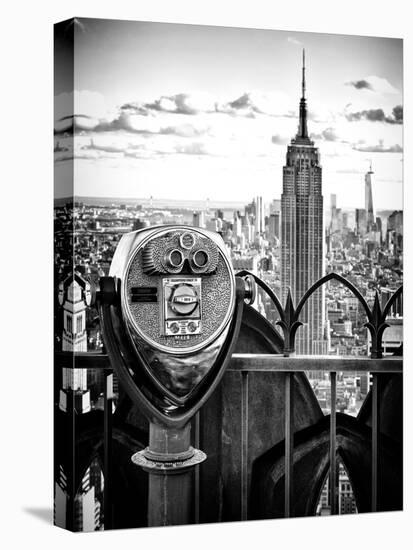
column 373, row 84
column 377, row 115
column 195, row 148
column 71, row 107
column 184, row 130
column 360, row 84
column 329, row 134
column 158, row 116
column 246, row 105
column 374, row 115
column 112, row 146
column 279, row 140
column 141, row 155
column 243, row 102
column 75, row 123
column 139, row 124
column 378, row 148
column 128, row 121
column 293, row 40
column 248, row 125
column 185, row 104
column 398, row 113
column 105, row 148
column 250, row 104
column 135, row 108
column 63, row 157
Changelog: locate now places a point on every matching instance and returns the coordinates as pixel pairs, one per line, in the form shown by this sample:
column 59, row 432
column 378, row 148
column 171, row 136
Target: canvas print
column 228, row 244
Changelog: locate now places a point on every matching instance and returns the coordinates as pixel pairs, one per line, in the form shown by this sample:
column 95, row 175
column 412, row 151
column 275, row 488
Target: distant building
column 140, row 224
column 364, row 384
column 368, row 198
column 198, row 219
column 336, row 217
column 392, row 336
column 339, row 323
column 259, row 218
column 274, row 225
column 394, row 233
column 74, row 393
column 74, row 399
column 87, row 507
column 361, row 222
column 237, row 226
column 249, row 263
column 395, row 222
column 302, row 233
column 251, row 209
column 396, row 309
column 346, row 498
column 275, row 206
column 247, row 229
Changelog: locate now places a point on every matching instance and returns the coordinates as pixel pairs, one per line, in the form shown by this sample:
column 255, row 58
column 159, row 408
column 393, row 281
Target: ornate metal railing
column 289, row 323
column 290, row 315
column 250, row 363
column 288, row 363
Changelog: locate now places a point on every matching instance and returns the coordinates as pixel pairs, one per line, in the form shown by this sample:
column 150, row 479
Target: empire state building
column 302, row 233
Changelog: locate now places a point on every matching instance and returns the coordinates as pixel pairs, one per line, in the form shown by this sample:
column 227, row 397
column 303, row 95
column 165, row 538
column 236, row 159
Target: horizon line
column 74, row 198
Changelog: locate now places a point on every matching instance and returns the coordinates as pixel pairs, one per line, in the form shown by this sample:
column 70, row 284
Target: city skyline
column 222, row 109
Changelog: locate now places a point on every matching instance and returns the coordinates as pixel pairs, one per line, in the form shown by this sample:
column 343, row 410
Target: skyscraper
column 74, row 392
column 80, row 510
column 302, row 232
column 361, row 222
column 259, row 218
column 333, row 213
column 368, row 194
column 198, row 219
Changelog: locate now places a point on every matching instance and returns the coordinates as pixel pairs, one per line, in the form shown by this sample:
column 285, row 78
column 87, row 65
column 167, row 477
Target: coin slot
column 144, row 294
column 184, row 299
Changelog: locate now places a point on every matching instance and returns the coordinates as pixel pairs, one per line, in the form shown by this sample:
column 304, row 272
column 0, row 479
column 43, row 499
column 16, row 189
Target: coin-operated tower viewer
column 171, row 312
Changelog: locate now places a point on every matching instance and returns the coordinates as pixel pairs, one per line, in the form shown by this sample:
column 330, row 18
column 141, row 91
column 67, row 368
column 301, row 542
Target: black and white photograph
column 228, row 274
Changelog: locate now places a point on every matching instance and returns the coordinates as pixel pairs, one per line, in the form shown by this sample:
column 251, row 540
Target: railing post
column 374, row 442
column 197, row 473
column 289, row 443
column 71, row 474
column 333, row 458
column 244, row 445
column 107, row 449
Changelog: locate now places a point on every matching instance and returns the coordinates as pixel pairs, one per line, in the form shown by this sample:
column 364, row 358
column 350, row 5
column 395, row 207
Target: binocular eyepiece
column 175, row 252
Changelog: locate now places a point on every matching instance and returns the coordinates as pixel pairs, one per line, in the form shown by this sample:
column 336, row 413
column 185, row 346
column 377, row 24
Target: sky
column 193, row 112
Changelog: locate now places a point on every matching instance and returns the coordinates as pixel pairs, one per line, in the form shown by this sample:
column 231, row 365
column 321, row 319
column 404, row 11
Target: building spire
column 302, row 128
column 303, row 80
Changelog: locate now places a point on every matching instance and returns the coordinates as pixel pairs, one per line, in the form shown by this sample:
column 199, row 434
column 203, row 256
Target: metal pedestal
column 170, row 461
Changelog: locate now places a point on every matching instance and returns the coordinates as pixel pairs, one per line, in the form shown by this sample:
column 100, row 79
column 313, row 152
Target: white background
column 26, row 272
